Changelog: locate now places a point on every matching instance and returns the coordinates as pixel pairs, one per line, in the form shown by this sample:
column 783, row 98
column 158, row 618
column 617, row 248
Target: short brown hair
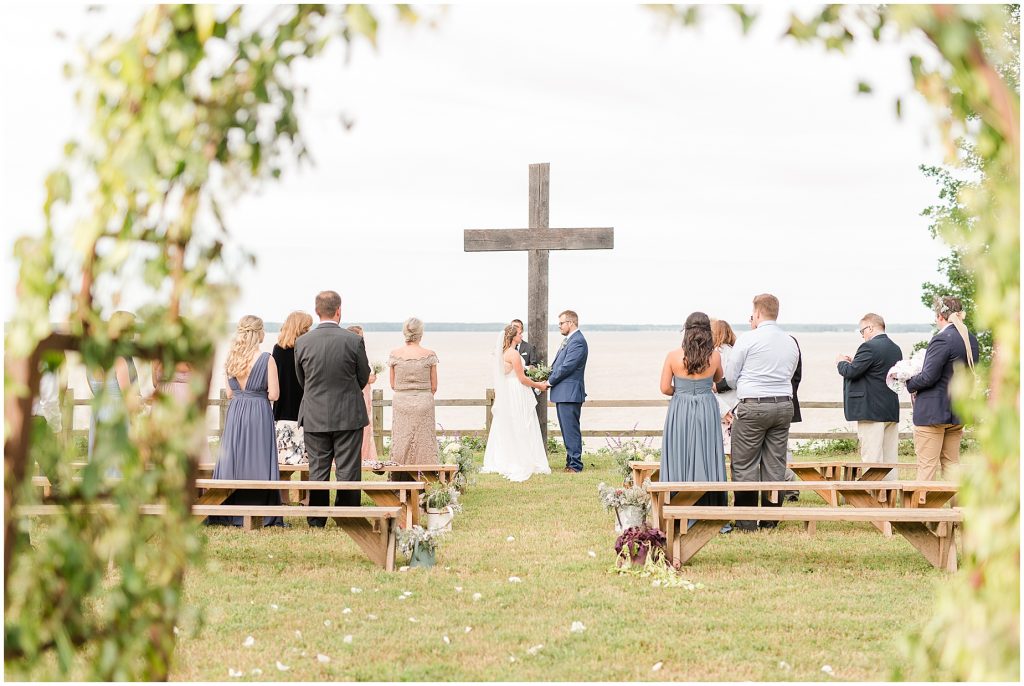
column 874, row 320
column 295, row 325
column 571, row 316
column 327, row 303
column 768, row 305
column 355, row 328
column 722, row 333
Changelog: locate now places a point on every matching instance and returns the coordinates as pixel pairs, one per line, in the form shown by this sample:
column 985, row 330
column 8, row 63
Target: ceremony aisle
column 524, row 563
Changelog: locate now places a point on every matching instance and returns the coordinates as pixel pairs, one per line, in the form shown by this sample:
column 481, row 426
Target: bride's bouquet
column 903, row 370
column 377, row 368
column 539, row 373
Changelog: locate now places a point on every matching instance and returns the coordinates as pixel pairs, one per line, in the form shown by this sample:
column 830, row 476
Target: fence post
column 489, row 397
column 378, row 421
column 223, row 418
column 67, row 414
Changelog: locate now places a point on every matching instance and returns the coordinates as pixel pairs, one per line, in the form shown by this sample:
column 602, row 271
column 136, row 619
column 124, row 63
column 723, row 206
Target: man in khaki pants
column 866, row 398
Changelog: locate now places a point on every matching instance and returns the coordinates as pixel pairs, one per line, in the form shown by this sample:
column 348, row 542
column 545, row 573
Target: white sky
column 728, row 166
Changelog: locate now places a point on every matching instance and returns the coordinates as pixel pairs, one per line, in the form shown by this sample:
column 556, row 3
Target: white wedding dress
column 515, row 448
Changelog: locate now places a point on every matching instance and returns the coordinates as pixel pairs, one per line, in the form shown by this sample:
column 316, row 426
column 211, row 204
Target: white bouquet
column 903, row 370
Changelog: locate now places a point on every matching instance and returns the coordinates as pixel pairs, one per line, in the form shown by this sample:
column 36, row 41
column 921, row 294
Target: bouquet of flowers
column 377, row 368
column 539, row 373
column 416, row 536
column 903, row 370
column 614, row 498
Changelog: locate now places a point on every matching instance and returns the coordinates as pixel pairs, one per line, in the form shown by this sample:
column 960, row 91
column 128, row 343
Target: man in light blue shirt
column 761, row 370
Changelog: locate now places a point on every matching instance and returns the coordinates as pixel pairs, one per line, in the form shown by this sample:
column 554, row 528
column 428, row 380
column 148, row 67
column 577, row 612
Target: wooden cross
column 537, row 241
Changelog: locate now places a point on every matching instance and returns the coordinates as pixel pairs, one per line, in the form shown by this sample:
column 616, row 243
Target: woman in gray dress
column 248, row 445
column 692, row 445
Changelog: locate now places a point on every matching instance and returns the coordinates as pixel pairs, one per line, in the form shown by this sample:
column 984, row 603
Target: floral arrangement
column 377, row 368
column 637, row 542
column 623, row 452
column 438, row 496
column 417, row 537
column 458, row 452
column 903, row 370
column 658, row 569
column 623, row 496
column 540, row 372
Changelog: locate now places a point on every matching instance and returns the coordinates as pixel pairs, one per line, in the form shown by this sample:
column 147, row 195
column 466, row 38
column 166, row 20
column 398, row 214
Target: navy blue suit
column 568, row 394
column 932, row 405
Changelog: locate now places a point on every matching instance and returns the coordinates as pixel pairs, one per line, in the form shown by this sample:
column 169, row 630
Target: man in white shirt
column 761, row 370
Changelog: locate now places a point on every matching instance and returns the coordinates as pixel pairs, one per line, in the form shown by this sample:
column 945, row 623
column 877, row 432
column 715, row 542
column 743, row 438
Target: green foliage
column 827, row 446
column 191, row 107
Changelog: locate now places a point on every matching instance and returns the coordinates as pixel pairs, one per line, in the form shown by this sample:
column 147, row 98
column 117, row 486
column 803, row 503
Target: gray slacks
column 342, row 450
column 760, row 437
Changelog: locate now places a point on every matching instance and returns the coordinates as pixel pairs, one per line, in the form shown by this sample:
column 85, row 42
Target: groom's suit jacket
column 528, row 353
column 567, row 371
column 332, row 368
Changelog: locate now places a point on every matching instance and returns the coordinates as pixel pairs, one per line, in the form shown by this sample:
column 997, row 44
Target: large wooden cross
column 537, row 241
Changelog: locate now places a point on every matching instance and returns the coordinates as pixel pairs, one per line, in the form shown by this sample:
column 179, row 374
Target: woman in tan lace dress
column 414, row 380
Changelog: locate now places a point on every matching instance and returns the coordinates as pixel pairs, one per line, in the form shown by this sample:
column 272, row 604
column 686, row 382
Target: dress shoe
column 570, row 470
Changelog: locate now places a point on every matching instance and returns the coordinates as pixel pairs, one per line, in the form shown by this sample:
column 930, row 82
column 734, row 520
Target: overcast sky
column 727, row 165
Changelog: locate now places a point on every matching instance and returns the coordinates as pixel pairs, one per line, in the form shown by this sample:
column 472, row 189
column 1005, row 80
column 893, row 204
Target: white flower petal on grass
column 510, row 539
column 656, row 667
column 458, row 589
column 256, row 672
column 827, row 669
column 402, row 597
column 356, row 590
column 407, row 593
column 273, row 606
column 591, row 553
column 533, row 650
column 371, row 616
column 477, row 596
column 347, row 611
column 656, row 583
column 322, row 659
column 468, row 629
column 577, row 628
column 347, row 639
column 327, row 622
column 511, row 658
column 234, row 673
column 281, row 667
column 515, row 580
column 447, row 641
column 784, row 665
column 177, row 631
column 270, row 556
column 404, row 568
column 414, row 620
column 249, row 642
column 298, row 634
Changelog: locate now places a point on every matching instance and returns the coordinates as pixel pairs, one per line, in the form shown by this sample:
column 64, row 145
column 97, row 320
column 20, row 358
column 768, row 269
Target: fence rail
column 378, row 403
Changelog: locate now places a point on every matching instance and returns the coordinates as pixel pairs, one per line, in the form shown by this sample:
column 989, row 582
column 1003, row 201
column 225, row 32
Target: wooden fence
column 487, row 402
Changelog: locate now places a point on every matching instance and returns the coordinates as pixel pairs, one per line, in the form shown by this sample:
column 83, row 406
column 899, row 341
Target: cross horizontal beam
column 483, row 240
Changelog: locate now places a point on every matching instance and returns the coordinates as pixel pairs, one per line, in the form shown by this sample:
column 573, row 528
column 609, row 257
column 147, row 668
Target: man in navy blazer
column 866, row 398
column 567, row 389
column 937, row 431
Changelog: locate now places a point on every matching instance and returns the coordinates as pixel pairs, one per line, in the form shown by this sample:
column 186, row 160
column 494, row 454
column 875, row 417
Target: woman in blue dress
column 692, row 444
column 248, row 445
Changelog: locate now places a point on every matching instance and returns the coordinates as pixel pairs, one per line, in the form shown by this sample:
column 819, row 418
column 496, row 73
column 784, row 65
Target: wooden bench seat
column 937, row 546
column 372, row 528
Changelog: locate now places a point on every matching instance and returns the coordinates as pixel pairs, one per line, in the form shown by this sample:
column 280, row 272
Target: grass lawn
column 775, row 605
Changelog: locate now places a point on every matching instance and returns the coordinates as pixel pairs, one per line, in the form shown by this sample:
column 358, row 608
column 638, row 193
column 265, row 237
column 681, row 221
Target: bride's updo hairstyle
column 697, row 343
column 510, row 332
column 412, row 330
column 247, row 340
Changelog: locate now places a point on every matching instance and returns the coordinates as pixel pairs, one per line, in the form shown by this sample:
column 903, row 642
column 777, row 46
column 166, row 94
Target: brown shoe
column 570, row 470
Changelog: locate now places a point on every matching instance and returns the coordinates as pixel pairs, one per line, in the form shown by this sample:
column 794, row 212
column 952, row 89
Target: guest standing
column 369, row 451
column 332, row 369
column 723, row 339
column 692, row 447
column 414, row 380
column 761, row 370
column 937, row 431
column 866, row 398
column 291, row 448
column 248, row 449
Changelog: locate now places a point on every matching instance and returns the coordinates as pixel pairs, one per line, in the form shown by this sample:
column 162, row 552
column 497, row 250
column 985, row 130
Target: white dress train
column 515, row 448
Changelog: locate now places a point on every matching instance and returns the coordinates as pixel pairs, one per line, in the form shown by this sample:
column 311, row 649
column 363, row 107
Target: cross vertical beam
column 537, row 283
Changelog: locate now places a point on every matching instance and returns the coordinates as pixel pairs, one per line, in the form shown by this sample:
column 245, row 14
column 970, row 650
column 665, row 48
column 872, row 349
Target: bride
column 515, row 448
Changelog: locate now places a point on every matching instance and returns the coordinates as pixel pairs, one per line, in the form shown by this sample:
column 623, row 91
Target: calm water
column 622, row 365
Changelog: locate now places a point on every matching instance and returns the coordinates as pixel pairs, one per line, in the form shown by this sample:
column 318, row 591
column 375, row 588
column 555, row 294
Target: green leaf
column 361, row 21
column 863, row 87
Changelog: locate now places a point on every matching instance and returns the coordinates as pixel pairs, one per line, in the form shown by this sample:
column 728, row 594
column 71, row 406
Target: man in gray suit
column 332, row 368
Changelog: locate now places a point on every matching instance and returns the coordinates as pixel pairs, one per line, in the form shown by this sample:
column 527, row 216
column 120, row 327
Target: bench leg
column 811, row 527
column 938, row 548
column 695, row 537
column 377, row 544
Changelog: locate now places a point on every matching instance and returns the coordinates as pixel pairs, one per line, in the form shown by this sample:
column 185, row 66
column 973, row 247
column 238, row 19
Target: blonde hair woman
column 414, row 381
column 722, row 339
column 937, row 431
column 290, row 446
column 369, row 450
column 248, row 448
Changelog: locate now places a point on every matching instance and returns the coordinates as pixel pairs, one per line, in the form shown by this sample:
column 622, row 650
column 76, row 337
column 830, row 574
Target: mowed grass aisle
column 775, row 605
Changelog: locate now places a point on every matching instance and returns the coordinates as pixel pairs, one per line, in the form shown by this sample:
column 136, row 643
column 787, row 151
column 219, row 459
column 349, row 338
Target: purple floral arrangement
column 639, row 541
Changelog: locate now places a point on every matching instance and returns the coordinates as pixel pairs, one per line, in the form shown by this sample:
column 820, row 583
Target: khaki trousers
column 938, row 450
column 879, row 442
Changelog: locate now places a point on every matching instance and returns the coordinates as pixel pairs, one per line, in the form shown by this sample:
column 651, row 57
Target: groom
column 567, row 391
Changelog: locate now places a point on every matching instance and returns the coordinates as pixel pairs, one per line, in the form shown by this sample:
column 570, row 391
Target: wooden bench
column 372, row 528
column 938, row 546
